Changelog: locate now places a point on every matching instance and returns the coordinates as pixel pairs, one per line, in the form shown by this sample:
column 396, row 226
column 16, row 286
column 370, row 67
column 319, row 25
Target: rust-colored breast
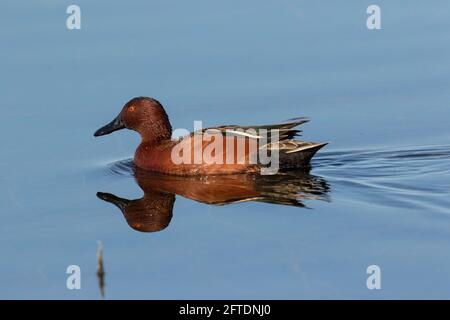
column 196, row 156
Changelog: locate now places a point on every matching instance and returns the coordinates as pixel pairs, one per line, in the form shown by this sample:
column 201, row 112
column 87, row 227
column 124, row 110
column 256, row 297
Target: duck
column 227, row 149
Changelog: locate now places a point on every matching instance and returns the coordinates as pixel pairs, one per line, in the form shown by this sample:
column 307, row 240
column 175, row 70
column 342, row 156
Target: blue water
column 378, row 194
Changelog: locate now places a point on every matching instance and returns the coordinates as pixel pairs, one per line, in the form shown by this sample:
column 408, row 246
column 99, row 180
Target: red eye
column 131, row 109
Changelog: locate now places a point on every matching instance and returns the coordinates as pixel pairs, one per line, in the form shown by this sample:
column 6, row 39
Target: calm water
column 378, row 194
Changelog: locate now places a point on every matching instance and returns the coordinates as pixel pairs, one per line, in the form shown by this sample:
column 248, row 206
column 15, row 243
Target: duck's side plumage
column 293, row 154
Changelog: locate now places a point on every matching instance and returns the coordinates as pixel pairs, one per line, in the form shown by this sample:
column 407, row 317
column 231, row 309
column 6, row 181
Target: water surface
column 377, row 194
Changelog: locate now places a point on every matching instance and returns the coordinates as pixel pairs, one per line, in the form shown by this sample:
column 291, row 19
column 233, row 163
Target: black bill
column 114, row 125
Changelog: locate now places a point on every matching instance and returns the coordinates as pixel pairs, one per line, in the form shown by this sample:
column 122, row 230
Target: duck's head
column 144, row 115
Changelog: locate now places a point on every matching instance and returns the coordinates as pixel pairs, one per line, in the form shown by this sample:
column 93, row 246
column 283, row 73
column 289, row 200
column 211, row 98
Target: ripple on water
column 123, row 168
column 408, row 178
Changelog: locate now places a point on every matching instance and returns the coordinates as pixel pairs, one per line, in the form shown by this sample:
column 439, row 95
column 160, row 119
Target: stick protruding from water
column 100, row 269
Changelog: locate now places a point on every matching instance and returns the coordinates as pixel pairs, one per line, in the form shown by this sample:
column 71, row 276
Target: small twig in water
column 100, row 269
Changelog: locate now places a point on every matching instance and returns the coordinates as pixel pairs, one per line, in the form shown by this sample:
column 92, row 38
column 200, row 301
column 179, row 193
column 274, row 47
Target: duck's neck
column 155, row 132
column 147, row 146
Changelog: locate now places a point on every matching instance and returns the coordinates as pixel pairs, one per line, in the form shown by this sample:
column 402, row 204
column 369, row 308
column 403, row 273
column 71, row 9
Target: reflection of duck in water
column 153, row 211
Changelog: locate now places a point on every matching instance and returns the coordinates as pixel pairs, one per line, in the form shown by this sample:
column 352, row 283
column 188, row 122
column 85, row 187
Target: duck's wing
column 286, row 130
column 286, row 134
column 292, row 146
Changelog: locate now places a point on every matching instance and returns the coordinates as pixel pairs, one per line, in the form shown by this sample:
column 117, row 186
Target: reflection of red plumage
column 153, row 211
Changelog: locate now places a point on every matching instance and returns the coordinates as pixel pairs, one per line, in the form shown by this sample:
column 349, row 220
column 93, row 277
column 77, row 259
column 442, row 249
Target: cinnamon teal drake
column 231, row 149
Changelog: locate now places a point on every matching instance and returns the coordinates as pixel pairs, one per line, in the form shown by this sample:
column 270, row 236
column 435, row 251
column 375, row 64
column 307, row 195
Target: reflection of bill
column 153, row 212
